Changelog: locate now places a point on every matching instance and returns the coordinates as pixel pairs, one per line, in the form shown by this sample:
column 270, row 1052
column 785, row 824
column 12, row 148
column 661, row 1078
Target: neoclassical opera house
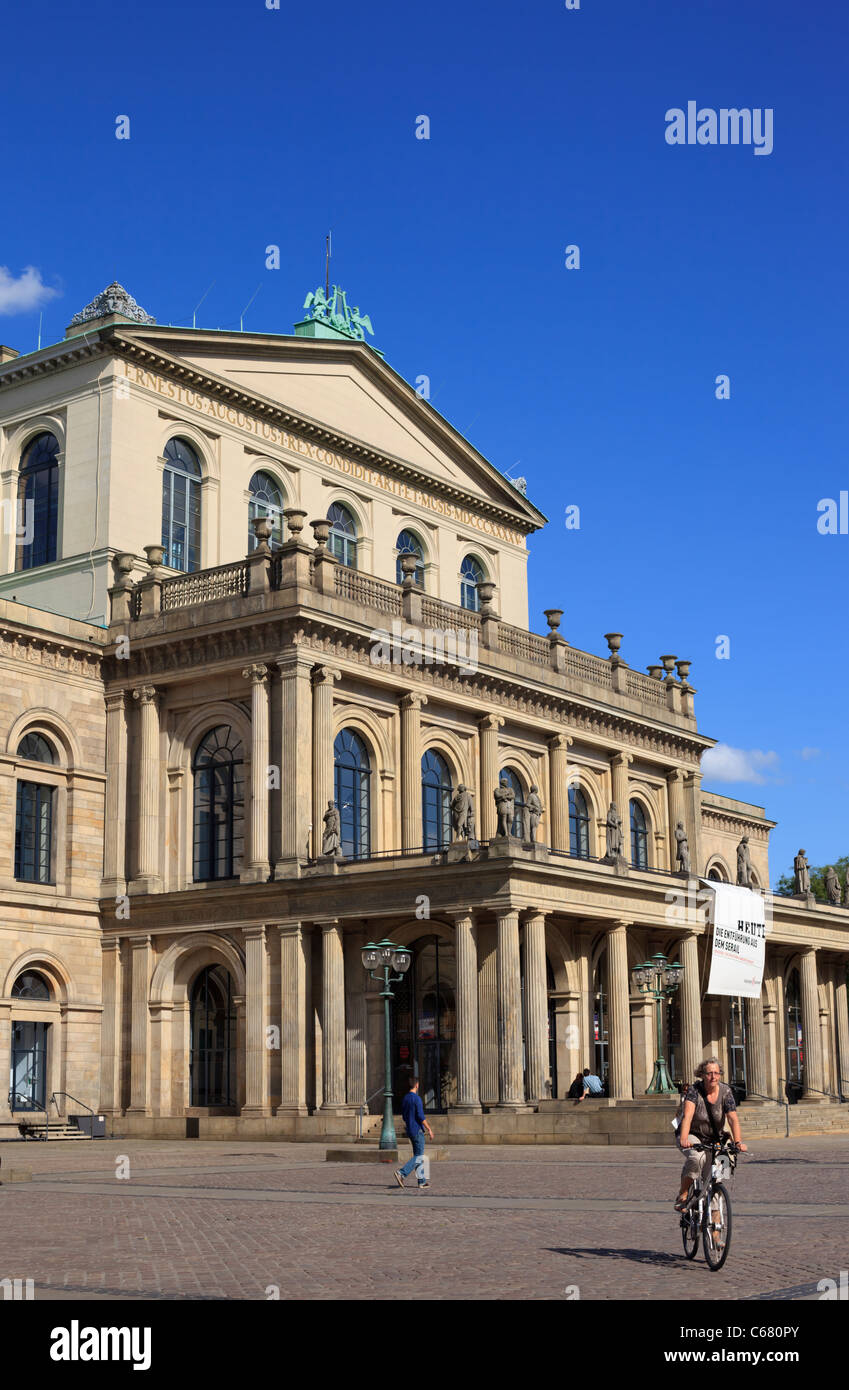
column 248, row 576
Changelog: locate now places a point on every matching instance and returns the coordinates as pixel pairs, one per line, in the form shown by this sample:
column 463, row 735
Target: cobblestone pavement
column 202, row 1220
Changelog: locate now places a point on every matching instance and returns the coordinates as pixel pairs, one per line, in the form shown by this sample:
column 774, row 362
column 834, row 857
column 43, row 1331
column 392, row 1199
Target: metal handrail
column 68, row 1096
column 361, row 1113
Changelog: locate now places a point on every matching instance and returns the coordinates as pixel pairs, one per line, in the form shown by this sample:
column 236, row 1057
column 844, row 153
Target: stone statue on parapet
column 744, row 864
column 832, row 886
column 533, row 814
column 505, row 805
column 614, row 832
column 682, row 853
column 463, row 814
column 802, row 873
column 330, row 840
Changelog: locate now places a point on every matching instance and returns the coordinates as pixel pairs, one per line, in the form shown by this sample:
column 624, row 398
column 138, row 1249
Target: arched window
column 219, row 805
column 212, row 1066
column 639, row 837
column 31, row 985
column 471, row 575
column 352, row 771
column 181, row 506
column 715, row 873
column 266, row 500
column 436, row 801
column 579, row 824
column 408, row 544
column 36, row 748
column 342, row 541
column 518, row 826
column 793, row 1027
column 38, row 503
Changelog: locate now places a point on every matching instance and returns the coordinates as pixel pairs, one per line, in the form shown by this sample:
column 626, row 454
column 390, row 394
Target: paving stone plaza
column 235, row 1221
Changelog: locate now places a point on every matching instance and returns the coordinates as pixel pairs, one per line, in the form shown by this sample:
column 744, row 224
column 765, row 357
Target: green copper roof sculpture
column 330, row 316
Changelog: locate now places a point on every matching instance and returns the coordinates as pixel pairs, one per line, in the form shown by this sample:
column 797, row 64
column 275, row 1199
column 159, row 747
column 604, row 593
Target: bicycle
column 708, row 1208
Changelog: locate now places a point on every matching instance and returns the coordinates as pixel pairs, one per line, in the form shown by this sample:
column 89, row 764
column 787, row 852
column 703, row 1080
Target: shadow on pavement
column 640, row 1257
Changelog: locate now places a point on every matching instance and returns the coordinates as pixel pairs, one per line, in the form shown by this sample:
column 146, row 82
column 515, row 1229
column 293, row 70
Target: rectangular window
column 33, row 832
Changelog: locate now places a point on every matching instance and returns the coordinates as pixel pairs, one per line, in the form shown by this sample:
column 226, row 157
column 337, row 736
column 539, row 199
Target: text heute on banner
column 739, row 933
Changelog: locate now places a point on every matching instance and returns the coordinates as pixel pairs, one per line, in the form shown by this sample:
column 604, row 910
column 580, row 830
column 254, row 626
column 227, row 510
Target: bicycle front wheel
column 716, row 1234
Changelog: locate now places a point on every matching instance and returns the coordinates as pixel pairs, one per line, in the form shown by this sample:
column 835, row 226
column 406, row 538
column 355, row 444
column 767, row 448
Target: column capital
column 808, row 951
column 491, row 721
column 463, row 914
column 256, row 674
column 110, row 943
column 325, row 675
column 532, row 914
column 675, row 774
column 140, row 942
column 621, row 759
column 619, row 924
column 290, row 928
column 254, row 933
column 115, row 700
column 502, row 912
column 412, row 700
column 331, row 925
column 145, row 694
column 560, row 741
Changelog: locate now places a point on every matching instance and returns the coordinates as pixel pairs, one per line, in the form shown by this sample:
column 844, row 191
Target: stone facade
column 235, row 995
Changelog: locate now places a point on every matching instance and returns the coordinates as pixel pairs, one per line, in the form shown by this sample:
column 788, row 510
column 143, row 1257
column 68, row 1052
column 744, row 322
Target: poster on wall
column 739, row 932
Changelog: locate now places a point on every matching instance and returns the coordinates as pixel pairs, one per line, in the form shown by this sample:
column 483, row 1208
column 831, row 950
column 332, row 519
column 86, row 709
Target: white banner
column 739, row 933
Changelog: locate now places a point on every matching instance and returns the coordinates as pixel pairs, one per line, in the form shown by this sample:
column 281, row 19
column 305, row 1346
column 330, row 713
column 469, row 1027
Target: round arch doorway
column 424, row 1025
column 212, row 1066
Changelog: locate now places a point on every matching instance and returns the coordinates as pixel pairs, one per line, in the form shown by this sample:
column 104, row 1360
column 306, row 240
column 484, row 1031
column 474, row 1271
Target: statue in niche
column 614, row 832
column 533, row 814
column 505, row 805
column 802, row 873
column 330, row 840
column 682, row 853
column 744, row 864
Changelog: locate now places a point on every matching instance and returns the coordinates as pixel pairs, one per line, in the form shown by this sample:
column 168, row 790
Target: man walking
column 417, row 1126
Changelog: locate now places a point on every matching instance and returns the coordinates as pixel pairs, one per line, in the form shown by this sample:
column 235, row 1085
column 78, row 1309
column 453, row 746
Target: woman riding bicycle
column 696, row 1127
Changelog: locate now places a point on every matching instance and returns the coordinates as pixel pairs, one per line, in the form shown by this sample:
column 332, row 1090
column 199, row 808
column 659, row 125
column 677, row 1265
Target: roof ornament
column 113, row 300
column 334, row 311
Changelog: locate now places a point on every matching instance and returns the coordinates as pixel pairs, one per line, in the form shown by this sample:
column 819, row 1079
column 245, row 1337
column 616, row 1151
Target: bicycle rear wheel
column 716, row 1234
column 690, row 1232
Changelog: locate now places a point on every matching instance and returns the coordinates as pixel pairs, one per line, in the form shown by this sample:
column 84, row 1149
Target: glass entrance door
column 423, row 1041
column 28, row 1078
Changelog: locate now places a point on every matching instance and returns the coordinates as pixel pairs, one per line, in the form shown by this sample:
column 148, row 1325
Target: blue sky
column 251, row 127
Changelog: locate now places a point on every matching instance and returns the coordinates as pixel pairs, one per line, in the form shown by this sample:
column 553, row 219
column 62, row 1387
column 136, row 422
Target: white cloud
column 726, row 764
column 808, row 753
column 27, row 292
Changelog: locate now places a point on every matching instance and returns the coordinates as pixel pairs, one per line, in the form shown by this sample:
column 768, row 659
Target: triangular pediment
column 347, row 389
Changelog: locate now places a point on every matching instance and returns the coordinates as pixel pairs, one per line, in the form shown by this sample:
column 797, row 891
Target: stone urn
column 656, row 672
column 668, row 663
column 155, row 555
column 122, row 567
column 408, row 569
column 614, row 642
column 262, row 529
column 683, row 669
column 321, row 531
column 295, row 520
column 486, row 593
column 552, row 617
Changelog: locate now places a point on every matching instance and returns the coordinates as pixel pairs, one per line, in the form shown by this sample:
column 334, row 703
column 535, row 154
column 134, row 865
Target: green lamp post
column 659, row 979
column 380, row 958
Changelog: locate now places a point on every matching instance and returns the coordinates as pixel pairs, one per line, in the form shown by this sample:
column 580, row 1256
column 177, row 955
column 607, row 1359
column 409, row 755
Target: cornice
column 724, row 819
column 53, row 653
column 49, row 359
column 176, row 657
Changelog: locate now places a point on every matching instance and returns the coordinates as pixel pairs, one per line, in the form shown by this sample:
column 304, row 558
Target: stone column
column 256, row 1001
column 675, row 801
column 293, row 1020
column 693, row 818
column 488, row 1012
column 5, row 1052
column 332, row 1017
column 691, row 1006
column 147, row 878
column 757, row 1080
column 558, row 790
column 110, row 1028
column 356, row 1022
column 411, row 770
column 487, row 819
column 511, row 1092
column 619, row 764
column 468, row 1067
column 813, row 1080
column 115, row 810
column 140, row 1027
column 323, row 678
column 619, row 1004
column 296, row 773
column 841, row 1009
column 536, row 995
column 257, row 869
